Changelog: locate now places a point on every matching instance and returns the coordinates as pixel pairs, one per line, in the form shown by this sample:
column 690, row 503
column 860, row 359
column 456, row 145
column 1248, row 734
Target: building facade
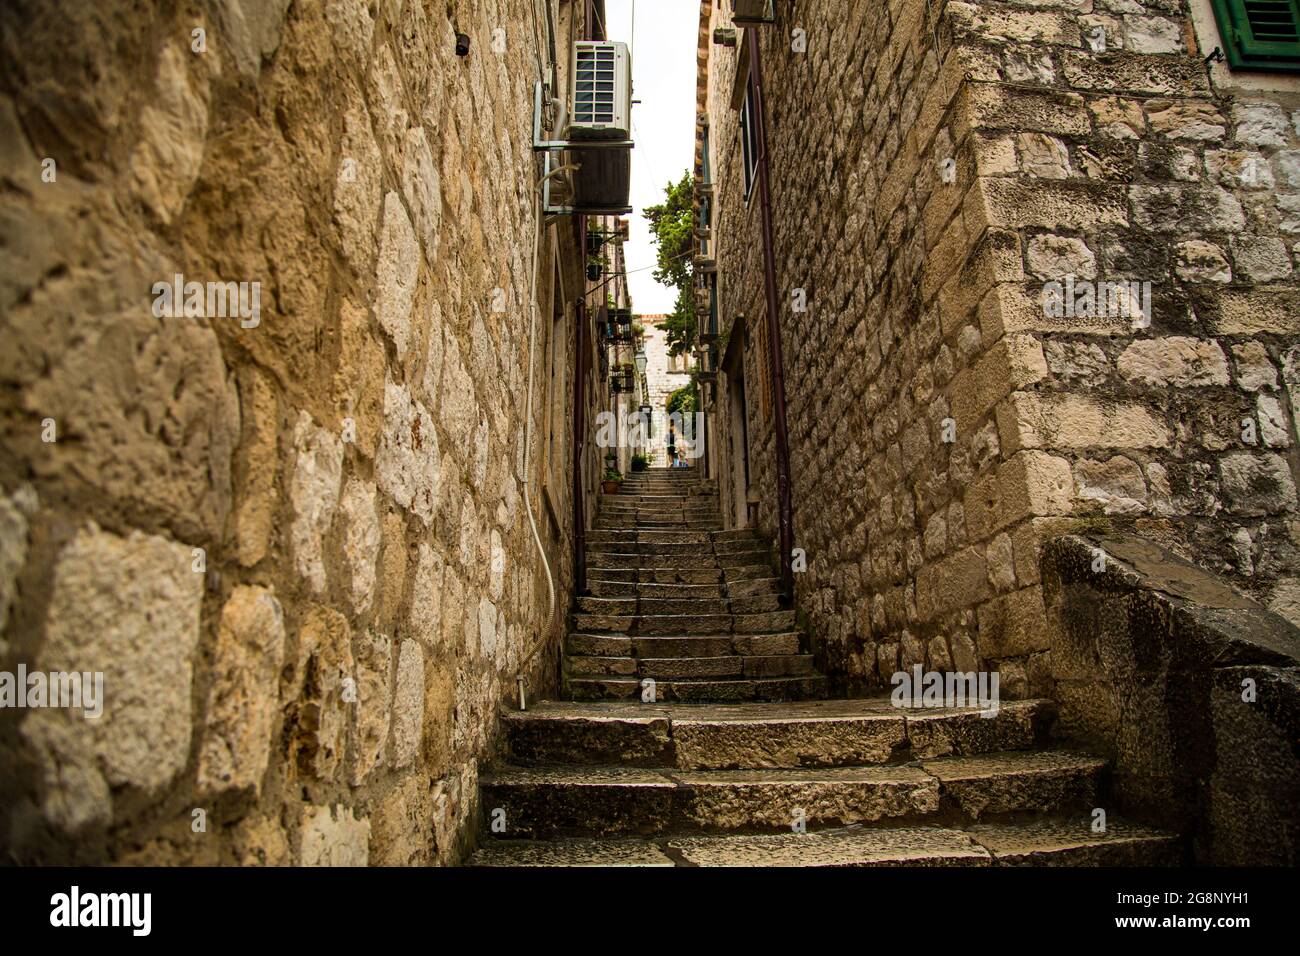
column 314, row 522
column 1034, row 274
column 665, row 374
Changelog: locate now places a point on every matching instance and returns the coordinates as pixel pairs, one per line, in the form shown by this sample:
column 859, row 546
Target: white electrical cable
column 528, row 419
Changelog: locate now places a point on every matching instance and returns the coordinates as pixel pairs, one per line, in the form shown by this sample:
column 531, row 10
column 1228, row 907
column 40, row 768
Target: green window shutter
column 1260, row 34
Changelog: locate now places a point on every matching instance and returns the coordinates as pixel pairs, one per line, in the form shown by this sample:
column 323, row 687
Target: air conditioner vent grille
column 594, row 86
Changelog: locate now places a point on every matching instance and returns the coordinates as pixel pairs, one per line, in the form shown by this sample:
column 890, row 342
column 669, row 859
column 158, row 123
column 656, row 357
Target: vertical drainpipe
column 786, row 516
column 580, row 439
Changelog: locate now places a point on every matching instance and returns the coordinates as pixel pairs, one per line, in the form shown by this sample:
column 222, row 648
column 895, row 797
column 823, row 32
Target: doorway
column 738, row 429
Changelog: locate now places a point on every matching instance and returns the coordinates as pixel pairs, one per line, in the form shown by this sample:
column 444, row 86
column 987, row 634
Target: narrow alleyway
column 334, row 527
column 648, row 766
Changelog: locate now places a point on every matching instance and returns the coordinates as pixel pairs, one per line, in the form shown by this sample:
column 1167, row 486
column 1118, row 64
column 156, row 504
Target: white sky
column 663, row 124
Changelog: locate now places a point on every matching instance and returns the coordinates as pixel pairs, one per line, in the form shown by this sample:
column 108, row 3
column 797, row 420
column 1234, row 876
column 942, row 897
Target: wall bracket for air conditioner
column 552, row 150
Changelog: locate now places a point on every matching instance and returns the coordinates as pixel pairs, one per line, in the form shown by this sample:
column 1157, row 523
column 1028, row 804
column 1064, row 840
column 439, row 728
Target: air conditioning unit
column 602, row 91
column 601, row 112
column 748, row 13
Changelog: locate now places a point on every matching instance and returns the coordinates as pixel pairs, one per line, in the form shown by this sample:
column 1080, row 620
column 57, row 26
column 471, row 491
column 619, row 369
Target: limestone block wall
column 292, row 538
column 935, row 166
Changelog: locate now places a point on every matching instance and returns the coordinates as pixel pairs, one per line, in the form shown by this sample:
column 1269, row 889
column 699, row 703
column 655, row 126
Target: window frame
column 1243, row 51
column 749, row 139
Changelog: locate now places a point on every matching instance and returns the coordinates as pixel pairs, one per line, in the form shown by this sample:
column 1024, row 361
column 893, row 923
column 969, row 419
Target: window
column 749, row 139
column 711, row 324
column 1260, row 34
column 706, row 168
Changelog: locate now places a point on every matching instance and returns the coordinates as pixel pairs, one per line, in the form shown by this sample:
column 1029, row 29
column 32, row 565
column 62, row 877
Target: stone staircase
column 676, row 599
column 735, row 761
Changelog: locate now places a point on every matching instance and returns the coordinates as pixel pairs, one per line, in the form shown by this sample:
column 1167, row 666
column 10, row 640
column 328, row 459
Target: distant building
column 664, row 374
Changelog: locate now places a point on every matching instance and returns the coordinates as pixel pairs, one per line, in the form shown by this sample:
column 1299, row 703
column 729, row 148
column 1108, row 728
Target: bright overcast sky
column 663, row 124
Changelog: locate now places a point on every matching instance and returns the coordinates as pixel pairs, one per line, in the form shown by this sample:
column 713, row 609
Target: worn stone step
column 740, row 544
column 651, row 537
column 656, row 575
column 594, row 666
column 748, row 572
column 594, row 801
column 819, row 733
column 634, row 515
column 746, row 558
column 1031, row 780
column 1053, row 842
column 767, row 622
column 631, row 561
column 1071, row 841
column 605, row 523
column 699, row 691
column 681, row 645
column 654, row 605
column 655, row 623
column 646, row 547
column 602, row 588
column 691, row 667
column 744, row 587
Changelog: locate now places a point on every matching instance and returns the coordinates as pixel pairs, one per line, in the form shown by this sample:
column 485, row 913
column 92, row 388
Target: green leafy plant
column 613, row 474
column 686, row 400
column 640, row 462
column 672, row 224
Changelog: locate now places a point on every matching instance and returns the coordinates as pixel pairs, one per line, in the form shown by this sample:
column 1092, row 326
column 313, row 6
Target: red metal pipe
column 784, row 504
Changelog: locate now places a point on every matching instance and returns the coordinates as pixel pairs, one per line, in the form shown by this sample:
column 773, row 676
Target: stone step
column 659, row 502
column 821, row 733
column 1065, row 841
column 656, row 575
column 624, row 561
column 602, row 523
column 699, row 691
column 748, row 572
column 710, row 645
column 749, row 587
column 742, row 582
column 636, row 604
column 548, row 801
column 694, row 667
column 632, row 583
column 766, row 622
column 647, row 547
column 652, row 537
column 602, row 588
column 632, row 513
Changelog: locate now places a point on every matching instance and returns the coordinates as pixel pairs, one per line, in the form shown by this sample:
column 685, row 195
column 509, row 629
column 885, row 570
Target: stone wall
column 934, row 166
column 1189, row 687
column 295, row 544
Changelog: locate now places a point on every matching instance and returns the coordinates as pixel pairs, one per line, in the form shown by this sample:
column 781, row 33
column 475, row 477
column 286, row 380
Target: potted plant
column 640, row 462
column 613, row 479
